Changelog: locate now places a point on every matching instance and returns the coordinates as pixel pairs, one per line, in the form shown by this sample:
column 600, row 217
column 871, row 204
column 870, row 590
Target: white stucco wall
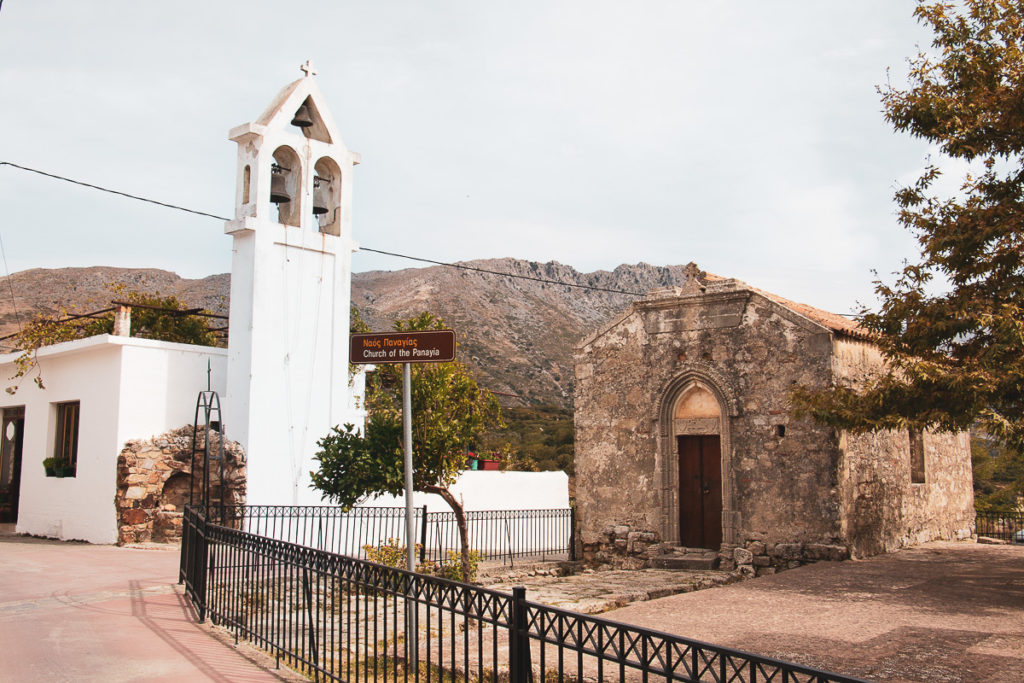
column 482, row 490
column 287, row 381
column 127, row 388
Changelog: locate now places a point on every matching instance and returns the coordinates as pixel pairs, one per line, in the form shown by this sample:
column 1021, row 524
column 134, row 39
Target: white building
column 100, row 392
column 283, row 380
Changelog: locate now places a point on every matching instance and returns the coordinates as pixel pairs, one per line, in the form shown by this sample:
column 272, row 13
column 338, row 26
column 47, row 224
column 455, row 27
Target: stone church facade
column 684, row 438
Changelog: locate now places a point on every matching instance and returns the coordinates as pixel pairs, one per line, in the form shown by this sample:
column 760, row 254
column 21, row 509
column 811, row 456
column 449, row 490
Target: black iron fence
column 1005, row 525
column 501, row 534
column 338, row 618
column 494, row 534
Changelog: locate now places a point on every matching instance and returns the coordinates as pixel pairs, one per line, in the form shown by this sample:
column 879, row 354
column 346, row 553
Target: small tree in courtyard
column 450, row 414
column 955, row 358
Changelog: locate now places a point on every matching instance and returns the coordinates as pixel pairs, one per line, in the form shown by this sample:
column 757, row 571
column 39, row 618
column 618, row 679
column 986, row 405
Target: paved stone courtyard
column 943, row 612
column 593, row 592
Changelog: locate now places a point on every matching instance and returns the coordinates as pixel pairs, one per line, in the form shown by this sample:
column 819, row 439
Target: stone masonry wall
column 784, row 506
column 617, row 476
column 882, row 509
column 147, row 471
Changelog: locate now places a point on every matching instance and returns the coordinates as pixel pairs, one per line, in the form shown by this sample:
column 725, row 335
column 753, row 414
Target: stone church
column 684, row 438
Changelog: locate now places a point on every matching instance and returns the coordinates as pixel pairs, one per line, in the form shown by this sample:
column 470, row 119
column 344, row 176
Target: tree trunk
column 460, row 519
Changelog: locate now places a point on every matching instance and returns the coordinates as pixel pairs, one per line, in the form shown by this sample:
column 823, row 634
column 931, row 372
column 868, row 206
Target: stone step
column 681, row 561
column 495, row 569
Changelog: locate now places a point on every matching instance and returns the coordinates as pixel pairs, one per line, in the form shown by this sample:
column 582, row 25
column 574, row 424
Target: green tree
column 165, row 318
column 955, row 358
column 541, row 438
column 450, row 414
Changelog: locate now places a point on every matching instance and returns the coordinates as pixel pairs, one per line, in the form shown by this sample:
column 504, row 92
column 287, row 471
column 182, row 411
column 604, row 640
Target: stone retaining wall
column 153, row 485
column 625, row 547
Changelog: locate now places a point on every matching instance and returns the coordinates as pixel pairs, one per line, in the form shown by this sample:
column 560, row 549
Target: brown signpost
column 433, row 346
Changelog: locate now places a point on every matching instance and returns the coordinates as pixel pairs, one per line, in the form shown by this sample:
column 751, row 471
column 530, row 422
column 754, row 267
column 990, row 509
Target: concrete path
column 941, row 612
column 76, row 612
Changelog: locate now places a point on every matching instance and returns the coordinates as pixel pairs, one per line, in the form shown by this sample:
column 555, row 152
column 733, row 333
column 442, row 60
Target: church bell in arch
column 278, row 185
column 321, row 192
column 302, row 119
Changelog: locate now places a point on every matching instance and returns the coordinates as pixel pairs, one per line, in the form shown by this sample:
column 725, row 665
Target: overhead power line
column 10, row 283
column 376, row 251
column 107, row 189
column 446, row 264
column 462, row 266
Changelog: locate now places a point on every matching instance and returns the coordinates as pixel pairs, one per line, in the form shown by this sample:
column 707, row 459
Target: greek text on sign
column 433, row 346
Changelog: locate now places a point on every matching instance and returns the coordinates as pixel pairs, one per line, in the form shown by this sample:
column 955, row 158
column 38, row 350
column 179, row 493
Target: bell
column 278, row 186
column 321, row 191
column 302, row 119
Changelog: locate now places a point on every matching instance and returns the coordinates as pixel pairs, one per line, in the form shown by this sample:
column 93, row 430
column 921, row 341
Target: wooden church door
column 700, row 491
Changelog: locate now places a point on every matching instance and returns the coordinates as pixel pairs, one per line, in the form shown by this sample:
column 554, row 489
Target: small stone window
column 917, row 469
column 65, row 441
column 780, row 431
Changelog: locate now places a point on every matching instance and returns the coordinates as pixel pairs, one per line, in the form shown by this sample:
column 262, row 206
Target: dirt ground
column 940, row 612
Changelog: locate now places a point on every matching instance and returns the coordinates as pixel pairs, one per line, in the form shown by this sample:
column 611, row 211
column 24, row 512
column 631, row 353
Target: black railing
column 501, row 534
column 1005, row 525
column 494, row 534
column 324, row 527
column 339, row 618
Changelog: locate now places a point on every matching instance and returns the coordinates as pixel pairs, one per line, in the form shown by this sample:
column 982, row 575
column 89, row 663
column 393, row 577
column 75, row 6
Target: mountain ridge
column 516, row 334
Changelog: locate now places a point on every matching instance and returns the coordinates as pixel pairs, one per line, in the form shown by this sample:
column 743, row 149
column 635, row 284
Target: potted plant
column 50, row 465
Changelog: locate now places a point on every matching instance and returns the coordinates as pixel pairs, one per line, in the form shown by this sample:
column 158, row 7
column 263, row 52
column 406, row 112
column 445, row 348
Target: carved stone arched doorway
column 695, row 456
column 697, row 420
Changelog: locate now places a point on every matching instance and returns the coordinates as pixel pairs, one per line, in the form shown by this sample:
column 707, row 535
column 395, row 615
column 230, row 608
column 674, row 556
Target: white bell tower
column 287, row 376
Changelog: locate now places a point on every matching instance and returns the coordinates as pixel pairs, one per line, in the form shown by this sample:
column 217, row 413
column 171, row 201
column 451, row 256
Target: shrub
column 391, row 554
column 451, row 568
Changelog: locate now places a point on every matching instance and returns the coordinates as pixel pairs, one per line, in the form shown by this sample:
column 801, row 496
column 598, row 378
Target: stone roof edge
column 821, row 318
column 606, row 328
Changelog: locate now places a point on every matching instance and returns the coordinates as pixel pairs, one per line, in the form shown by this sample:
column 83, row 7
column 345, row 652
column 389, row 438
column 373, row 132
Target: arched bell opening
column 327, row 195
column 285, row 185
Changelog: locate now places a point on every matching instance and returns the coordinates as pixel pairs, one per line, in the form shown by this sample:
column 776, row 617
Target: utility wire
column 7, row 271
column 376, row 251
column 105, row 189
column 495, row 272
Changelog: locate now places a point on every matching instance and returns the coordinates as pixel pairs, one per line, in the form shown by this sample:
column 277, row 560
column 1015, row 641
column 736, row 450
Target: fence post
column 520, row 668
column 203, row 563
column 572, row 533
column 423, row 536
column 307, row 590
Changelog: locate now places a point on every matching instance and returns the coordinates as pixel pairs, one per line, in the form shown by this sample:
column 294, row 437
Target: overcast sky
column 746, row 135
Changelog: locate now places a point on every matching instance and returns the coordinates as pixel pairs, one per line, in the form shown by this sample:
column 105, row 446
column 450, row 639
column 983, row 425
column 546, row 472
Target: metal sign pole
column 425, row 346
column 410, row 546
column 411, row 627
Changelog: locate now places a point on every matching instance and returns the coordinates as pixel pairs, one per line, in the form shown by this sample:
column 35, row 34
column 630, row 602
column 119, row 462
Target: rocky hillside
column 517, row 334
